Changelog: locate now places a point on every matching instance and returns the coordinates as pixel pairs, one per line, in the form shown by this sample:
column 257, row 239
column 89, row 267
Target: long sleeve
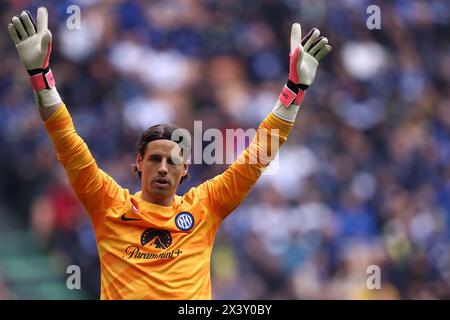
column 227, row 190
column 95, row 189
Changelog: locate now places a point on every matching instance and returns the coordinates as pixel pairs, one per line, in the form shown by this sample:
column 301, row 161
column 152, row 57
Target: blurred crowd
column 363, row 179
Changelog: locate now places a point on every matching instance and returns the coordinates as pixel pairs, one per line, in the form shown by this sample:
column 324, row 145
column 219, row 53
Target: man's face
column 161, row 167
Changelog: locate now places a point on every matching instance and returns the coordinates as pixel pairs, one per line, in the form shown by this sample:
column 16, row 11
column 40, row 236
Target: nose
column 163, row 168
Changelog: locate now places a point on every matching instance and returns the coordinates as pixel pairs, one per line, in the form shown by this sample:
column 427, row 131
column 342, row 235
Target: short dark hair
column 164, row 132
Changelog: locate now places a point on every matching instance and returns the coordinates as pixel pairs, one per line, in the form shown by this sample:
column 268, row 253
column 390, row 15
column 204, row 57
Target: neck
column 165, row 201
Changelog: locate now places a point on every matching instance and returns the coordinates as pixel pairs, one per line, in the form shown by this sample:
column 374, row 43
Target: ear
column 139, row 162
column 185, row 168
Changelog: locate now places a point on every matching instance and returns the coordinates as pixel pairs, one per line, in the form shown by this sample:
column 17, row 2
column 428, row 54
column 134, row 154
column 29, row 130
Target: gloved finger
column 316, row 46
column 323, row 52
column 46, row 39
column 19, row 27
column 308, row 35
column 28, row 23
column 42, row 19
column 296, row 36
column 13, row 33
column 310, row 39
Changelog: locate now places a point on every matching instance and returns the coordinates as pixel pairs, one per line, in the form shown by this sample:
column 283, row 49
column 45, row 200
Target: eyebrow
column 163, row 155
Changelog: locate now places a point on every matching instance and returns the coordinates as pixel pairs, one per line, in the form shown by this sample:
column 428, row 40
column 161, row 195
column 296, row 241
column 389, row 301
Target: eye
column 154, row 158
column 171, row 161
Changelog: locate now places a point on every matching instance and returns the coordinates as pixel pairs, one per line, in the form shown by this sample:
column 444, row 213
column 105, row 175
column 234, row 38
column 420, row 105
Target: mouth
column 161, row 183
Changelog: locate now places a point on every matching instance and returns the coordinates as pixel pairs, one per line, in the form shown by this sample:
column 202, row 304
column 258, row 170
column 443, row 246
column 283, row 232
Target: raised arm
column 95, row 189
column 227, row 190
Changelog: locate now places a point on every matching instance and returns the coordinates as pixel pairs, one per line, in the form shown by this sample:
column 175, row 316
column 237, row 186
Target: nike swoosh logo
column 125, row 218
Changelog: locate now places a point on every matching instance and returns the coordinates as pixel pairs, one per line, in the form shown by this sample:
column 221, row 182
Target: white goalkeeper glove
column 34, row 45
column 304, row 58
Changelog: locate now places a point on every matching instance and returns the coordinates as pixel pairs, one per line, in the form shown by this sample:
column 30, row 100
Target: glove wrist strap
column 41, row 79
column 292, row 93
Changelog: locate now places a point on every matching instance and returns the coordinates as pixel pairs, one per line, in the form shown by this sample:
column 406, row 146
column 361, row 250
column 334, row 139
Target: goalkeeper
column 155, row 244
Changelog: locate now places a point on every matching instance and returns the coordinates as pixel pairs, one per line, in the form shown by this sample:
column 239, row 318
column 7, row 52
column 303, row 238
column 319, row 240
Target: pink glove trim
column 293, row 59
column 286, row 96
column 300, row 95
column 42, row 81
column 47, row 56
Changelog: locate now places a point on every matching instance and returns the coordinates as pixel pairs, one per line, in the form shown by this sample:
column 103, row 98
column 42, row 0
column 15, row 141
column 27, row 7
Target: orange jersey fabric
column 148, row 251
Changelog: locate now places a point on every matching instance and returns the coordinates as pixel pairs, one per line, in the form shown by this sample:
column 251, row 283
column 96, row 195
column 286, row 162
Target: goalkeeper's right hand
column 304, row 59
column 34, row 45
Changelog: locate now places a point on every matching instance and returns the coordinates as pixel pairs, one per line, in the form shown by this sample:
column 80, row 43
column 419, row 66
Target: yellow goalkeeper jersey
column 148, row 251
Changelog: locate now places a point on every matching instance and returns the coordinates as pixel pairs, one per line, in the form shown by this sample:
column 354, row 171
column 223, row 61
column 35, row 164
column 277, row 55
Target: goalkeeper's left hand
column 304, row 58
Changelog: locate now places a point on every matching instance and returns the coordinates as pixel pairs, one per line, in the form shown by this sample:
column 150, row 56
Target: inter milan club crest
column 184, row 221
